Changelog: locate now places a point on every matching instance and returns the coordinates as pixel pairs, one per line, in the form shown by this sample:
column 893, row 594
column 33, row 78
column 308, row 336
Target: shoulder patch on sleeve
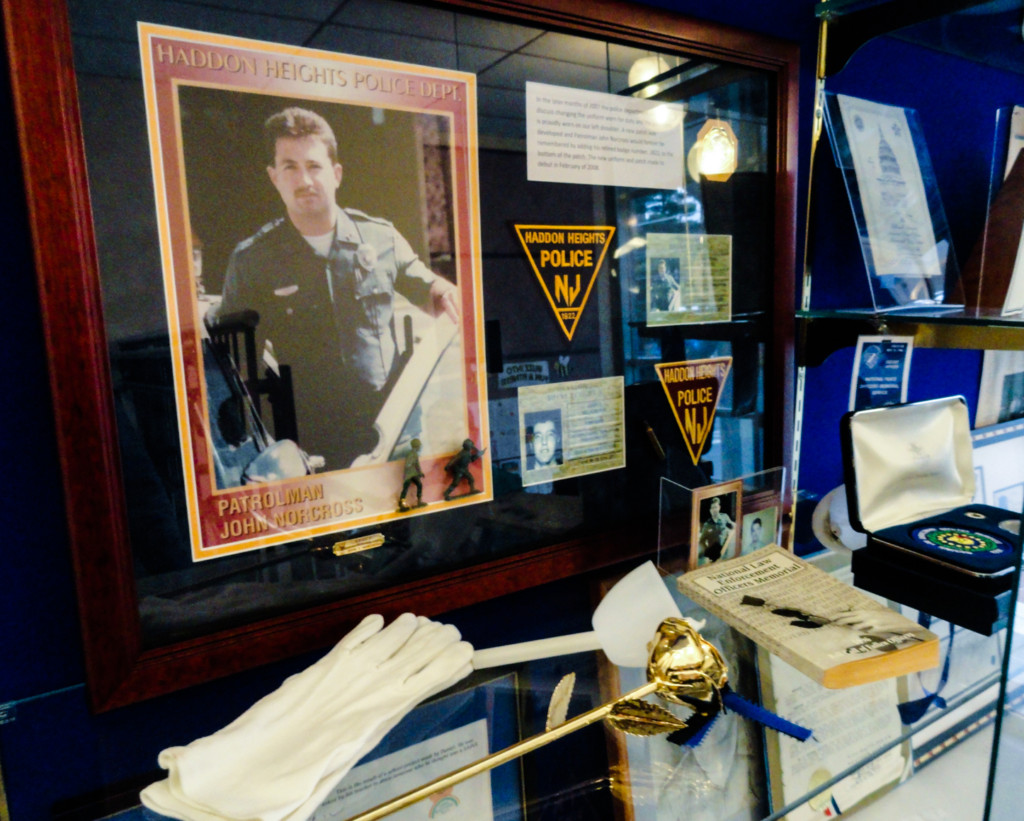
column 260, row 236
column 358, row 215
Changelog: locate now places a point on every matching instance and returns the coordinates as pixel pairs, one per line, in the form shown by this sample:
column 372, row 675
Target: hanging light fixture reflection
column 645, row 69
column 714, row 154
column 642, row 72
column 664, row 117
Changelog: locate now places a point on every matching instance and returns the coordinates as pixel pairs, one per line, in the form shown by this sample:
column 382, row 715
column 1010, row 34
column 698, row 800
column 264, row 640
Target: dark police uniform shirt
column 330, row 318
column 714, row 534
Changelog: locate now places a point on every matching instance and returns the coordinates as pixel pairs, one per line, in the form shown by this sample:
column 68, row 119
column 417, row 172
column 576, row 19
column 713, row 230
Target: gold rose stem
column 501, row 757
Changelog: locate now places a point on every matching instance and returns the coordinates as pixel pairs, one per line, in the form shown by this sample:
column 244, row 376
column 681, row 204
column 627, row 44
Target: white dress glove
column 281, row 758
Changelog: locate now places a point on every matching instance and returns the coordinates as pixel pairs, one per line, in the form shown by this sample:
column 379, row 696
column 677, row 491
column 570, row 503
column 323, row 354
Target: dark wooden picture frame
column 120, row 669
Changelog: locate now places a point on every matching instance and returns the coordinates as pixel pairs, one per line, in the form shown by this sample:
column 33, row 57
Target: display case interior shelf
column 983, row 31
column 822, row 332
column 921, row 57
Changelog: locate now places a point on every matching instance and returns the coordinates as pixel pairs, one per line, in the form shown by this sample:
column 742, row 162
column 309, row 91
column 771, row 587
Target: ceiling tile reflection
column 397, row 17
column 518, row 68
column 502, row 55
column 505, row 36
column 386, row 46
column 118, row 19
column 569, row 49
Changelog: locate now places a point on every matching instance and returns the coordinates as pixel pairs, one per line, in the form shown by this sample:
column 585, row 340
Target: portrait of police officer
column 323, row 280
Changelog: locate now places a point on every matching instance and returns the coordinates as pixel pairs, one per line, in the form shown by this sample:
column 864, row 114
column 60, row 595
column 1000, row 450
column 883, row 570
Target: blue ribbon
column 698, row 725
column 761, row 715
column 911, row 711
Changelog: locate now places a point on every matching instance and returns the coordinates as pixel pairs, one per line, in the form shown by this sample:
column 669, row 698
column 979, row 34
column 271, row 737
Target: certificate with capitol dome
column 895, row 200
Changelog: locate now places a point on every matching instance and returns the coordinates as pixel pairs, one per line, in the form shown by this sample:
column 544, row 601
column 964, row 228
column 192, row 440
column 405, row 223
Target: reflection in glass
column 524, row 341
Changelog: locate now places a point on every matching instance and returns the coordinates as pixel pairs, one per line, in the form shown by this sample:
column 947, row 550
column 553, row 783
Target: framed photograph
column 760, row 528
column 881, row 371
column 382, row 351
column 236, row 436
column 993, row 275
column 680, row 518
column 998, row 454
column 439, row 737
column 714, row 531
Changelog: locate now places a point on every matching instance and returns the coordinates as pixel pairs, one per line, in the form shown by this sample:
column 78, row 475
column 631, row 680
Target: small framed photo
column 714, row 533
column 760, row 529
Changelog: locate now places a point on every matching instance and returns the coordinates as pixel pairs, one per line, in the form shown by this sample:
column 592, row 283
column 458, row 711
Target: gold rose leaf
column 639, row 717
column 558, row 708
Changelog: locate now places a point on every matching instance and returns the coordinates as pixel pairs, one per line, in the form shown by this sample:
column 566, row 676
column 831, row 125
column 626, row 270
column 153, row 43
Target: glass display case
column 962, row 57
column 236, row 439
column 739, row 771
column 606, row 205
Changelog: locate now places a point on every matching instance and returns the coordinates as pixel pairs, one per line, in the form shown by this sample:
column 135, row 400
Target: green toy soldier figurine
column 413, row 476
column 458, row 467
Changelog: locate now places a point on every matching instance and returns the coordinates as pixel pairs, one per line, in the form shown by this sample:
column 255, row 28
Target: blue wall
column 54, row 748
column 956, row 102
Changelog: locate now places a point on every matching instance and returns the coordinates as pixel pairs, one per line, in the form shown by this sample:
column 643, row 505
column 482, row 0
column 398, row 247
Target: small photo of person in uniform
column 663, row 285
column 716, row 534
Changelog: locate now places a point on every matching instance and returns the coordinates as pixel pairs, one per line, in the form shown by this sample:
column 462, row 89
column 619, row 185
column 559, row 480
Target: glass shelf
column 946, row 314
column 571, row 777
column 952, row 706
column 983, row 31
column 904, row 62
column 973, row 704
column 823, row 332
column 830, row 9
